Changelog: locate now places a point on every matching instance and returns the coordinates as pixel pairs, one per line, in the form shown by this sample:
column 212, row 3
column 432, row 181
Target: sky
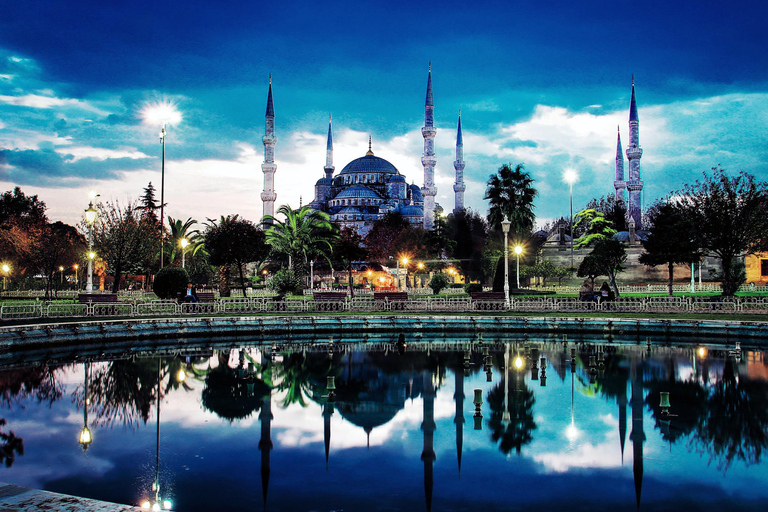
column 543, row 84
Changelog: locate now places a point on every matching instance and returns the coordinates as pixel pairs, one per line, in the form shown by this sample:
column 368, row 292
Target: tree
column 440, row 243
column 591, row 267
column 236, row 242
column 611, row 255
column 179, row 231
column 469, row 232
column 387, row 236
column 614, row 210
column 672, row 239
column 122, row 239
column 149, row 205
column 348, row 248
column 56, row 245
column 731, row 217
column 305, row 233
column 511, row 194
column 597, row 227
column 22, row 208
column 22, row 220
column 438, row 282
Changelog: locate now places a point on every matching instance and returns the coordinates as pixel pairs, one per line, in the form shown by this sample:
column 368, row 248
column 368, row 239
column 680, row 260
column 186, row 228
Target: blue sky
column 543, row 84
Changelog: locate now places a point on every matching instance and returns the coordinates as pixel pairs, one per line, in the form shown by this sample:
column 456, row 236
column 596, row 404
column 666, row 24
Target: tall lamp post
column 570, row 177
column 518, row 252
column 183, row 243
column 6, row 270
column 90, row 217
column 505, row 228
column 311, row 274
column 405, row 266
column 163, row 133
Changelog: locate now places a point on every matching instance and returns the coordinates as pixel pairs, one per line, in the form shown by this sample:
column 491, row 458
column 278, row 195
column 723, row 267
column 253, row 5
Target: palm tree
column 511, row 194
column 179, row 231
column 305, row 233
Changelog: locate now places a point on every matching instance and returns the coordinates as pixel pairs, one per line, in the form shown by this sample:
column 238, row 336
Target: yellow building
column 757, row 268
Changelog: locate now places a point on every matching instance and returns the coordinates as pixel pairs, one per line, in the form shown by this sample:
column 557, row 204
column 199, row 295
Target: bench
column 85, row 298
column 330, row 301
column 205, row 296
column 489, row 300
column 391, row 300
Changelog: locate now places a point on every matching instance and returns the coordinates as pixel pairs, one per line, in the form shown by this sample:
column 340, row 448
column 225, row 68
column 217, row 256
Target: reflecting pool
column 394, row 424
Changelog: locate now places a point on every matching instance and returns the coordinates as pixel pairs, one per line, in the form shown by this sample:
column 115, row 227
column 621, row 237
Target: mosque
column 369, row 187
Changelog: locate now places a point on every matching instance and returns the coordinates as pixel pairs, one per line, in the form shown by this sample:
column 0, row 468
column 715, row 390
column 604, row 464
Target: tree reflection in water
column 233, row 393
column 518, row 431
column 734, row 424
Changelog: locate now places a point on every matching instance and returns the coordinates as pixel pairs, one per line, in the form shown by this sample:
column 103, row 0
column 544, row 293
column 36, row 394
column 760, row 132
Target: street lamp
column 183, row 243
column 518, row 252
column 570, row 177
column 77, row 268
column 6, row 270
column 61, row 275
column 90, row 217
column 162, row 113
column 405, row 266
column 85, row 439
column 311, row 274
column 505, row 228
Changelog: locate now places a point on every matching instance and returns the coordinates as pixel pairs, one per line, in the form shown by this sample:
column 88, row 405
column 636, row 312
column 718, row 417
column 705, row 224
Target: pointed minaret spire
column 458, row 419
column 634, row 153
column 329, row 168
column 428, row 160
column 265, row 443
column 268, row 195
column 459, row 187
column 428, row 427
column 369, row 153
column 620, row 185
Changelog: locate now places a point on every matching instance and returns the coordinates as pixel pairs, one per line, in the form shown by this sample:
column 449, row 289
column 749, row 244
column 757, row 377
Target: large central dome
column 369, row 164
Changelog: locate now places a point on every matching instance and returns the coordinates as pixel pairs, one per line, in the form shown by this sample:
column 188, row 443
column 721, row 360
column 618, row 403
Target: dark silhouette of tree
column 610, row 256
column 121, row 392
column 735, row 423
column 235, row 242
column 519, row 431
column 10, row 446
column 393, row 235
column 469, row 232
column 149, row 205
column 348, row 248
column 731, row 217
column 301, row 374
column 21, row 384
column 21, row 208
column 304, row 234
column 511, row 194
column 672, row 239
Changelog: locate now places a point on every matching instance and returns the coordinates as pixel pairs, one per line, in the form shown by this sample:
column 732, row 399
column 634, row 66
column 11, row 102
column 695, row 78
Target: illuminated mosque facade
column 369, row 187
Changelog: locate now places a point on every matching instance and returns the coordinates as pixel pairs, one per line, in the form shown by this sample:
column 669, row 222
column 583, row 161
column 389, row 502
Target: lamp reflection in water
column 157, row 502
column 571, row 432
column 86, row 438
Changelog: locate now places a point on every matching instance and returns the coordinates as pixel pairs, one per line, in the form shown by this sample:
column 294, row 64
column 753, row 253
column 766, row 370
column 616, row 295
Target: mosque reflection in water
column 535, row 422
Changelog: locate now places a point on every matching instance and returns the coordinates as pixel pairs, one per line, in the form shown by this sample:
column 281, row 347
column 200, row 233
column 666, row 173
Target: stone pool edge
column 58, row 334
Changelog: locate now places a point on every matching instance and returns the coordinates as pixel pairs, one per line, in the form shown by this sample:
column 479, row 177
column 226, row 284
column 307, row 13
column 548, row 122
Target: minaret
column 620, row 185
column 458, row 164
column 428, row 160
column 265, row 443
column 329, row 168
column 428, row 426
column 638, row 435
column 268, row 196
column 634, row 153
column 458, row 419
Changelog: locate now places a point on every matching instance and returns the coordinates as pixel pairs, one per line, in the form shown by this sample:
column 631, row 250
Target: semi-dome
column 356, row 192
column 349, row 210
column 411, row 211
column 416, row 192
column 369, row 164
column 324, row 181
column 398, row 178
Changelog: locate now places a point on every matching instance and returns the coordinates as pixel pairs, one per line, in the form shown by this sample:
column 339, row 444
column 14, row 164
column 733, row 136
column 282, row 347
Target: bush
column 286, row 281
column 438, row 282
column 473, row 288
column 170, row 282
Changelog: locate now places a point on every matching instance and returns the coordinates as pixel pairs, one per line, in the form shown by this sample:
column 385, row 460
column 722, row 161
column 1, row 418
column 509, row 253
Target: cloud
column 80, row 152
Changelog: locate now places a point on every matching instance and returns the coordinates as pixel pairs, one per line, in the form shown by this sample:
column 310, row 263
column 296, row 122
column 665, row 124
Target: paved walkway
column 17, row 498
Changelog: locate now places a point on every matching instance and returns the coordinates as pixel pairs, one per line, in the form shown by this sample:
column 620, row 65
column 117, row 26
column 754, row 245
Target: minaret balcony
column 429, row 191
column 459, row 187
column 619, row 184
column 635, row 186
column 634, row 153
column 268, row 196
column 268, row 168
column 428, row 132
column 428, row 161
column 269, row 140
